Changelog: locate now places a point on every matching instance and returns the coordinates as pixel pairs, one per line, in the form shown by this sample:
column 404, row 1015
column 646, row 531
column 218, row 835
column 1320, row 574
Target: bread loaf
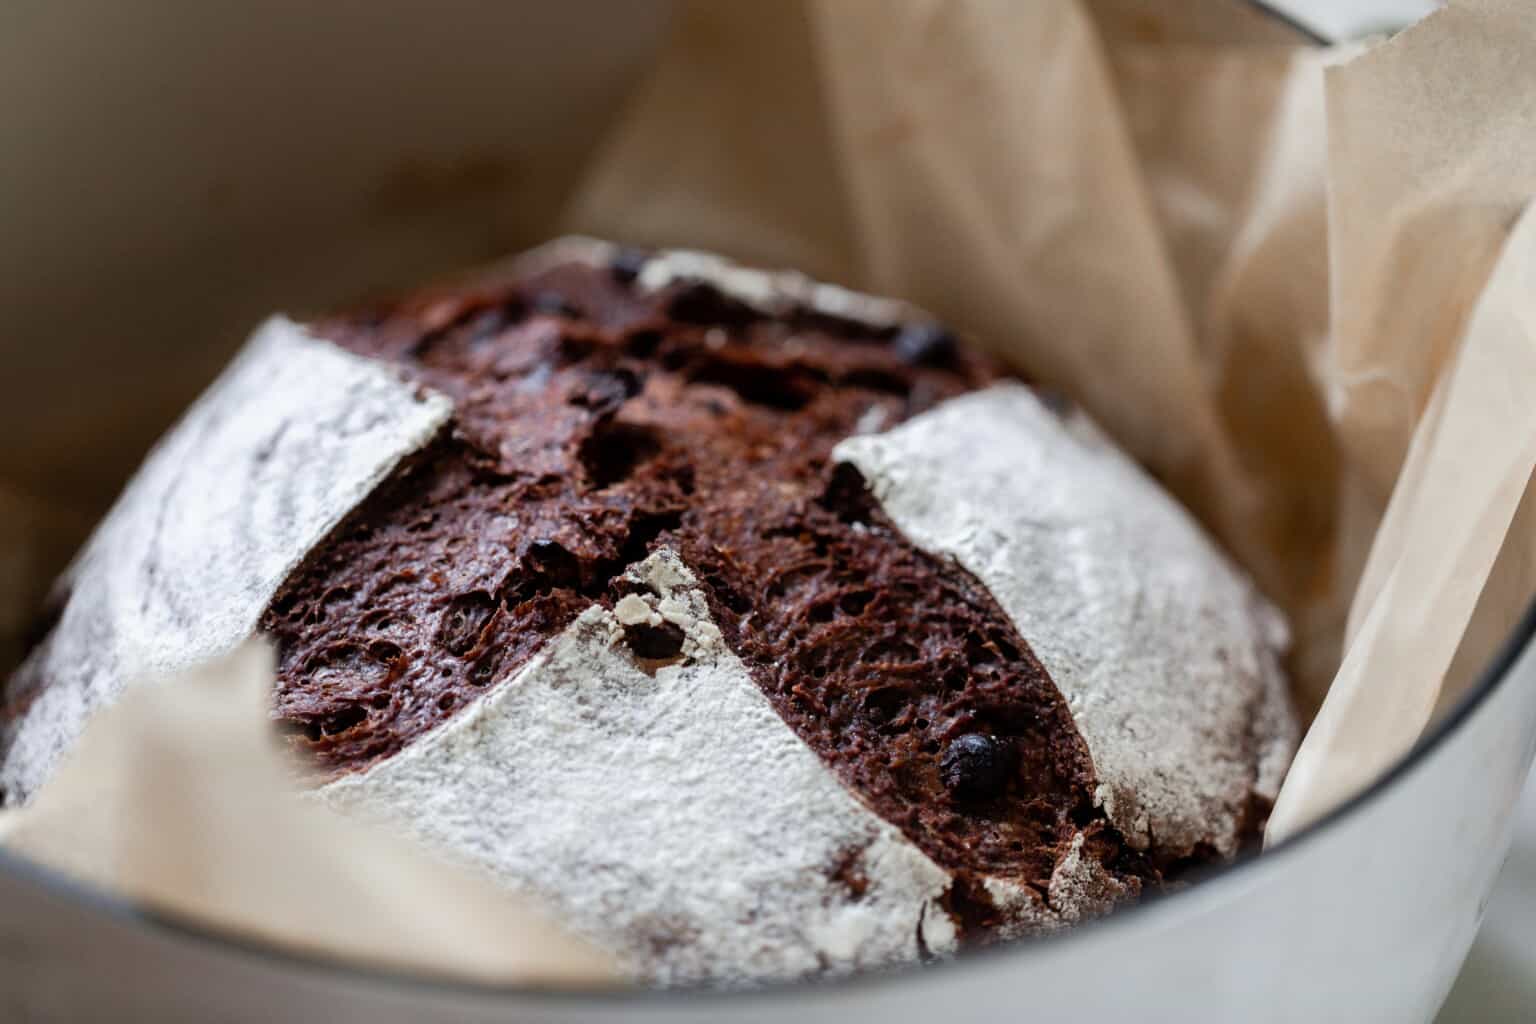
column 760, row 627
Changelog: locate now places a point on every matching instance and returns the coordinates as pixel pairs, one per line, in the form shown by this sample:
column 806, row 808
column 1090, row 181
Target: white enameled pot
column 172, row 171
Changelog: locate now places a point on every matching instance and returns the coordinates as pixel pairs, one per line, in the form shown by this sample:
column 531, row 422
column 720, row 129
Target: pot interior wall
column 173, row 176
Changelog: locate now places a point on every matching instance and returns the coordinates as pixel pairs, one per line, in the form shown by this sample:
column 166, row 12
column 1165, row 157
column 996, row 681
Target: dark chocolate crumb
column 552, row 304
column 684, row 419
column 464, row 621
column 925, row 344
column 491, row 323
column 654, row 642
column 976, row 766
column 700, row 303
column 627, row 263
column 553, row 563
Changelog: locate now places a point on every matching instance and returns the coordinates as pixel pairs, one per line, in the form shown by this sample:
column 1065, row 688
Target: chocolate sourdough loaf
column 759, row 626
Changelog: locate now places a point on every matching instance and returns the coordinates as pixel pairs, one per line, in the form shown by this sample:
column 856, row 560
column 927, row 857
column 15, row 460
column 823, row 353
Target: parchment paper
column 1294, row 293
column 1427, row 376
column 141, row 806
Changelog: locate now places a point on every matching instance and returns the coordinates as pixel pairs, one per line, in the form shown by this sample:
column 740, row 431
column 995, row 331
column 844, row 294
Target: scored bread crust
column 289, row 439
